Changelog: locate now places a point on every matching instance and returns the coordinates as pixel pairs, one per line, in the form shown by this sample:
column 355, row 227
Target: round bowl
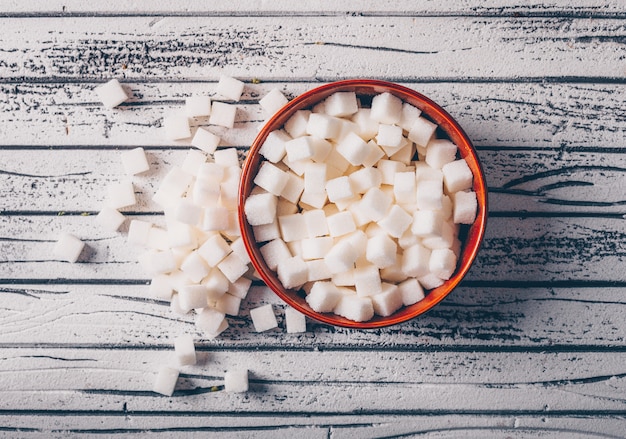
column 365, row 88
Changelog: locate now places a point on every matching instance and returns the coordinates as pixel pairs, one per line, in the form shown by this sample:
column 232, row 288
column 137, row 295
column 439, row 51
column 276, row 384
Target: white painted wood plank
column 118, row 315
column 318, row 47
column 493, row 114
column 320, row 7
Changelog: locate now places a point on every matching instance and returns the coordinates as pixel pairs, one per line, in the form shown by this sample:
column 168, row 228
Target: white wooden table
column 531, row 345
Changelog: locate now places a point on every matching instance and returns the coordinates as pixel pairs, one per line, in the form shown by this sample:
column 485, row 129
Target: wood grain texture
column 503, row 114
column 319, row 48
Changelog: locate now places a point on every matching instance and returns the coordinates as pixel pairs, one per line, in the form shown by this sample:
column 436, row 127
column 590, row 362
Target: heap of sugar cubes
column 360, row 207
column 197, row 261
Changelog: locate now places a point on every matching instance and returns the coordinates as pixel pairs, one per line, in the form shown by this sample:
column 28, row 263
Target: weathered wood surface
column 531, row 344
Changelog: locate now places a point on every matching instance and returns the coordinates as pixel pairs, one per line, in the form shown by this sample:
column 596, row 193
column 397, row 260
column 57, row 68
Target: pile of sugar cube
column 360, row 207
column 197, row 261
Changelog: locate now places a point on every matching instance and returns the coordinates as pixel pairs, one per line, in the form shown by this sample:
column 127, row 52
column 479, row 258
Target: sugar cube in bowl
column 374, row 140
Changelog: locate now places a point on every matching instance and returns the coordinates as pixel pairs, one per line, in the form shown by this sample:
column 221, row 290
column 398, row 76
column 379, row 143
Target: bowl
column 365, row 89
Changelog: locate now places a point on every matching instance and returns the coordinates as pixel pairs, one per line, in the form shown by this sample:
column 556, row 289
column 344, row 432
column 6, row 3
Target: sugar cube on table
column 210, row 321
column 185, row 350
column 214, row 249
column 197, row 106
column 263, row 318
column 295, row 321
column 216, row 284
column 292, row 272
column 162, row 262
column 158, row 239
column 194, row 267
column 134, row 161
column 228, row 304
column 465, row 206
column 215, row 219
column 161, row 287
column 165, row 381
column 236, row 380
column 273, row 101
column 205, row 140
column 233, row 267
column 68, row 247
column 187, row 212
column 386, row 108
column 176, row 126
column 229, row 88
column 323, row 296
column 121, row 195
column 192, row 297
column 110, row 219
column 356, row 308
column 138, row 232
column 223, row 114
column 111, row 93
column 457, row 176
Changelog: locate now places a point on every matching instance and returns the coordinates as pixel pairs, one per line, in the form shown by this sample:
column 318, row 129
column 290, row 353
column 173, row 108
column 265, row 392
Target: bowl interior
column 365, row 89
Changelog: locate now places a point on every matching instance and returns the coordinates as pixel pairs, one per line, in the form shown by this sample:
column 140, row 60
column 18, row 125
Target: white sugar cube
column 341, row 104
column 375, row 204
column 215, row 219
column 192, row 297
column 134, row 161
column 233, row 267
column 297, row 123
column 185, row 350
column 227, row 158
column 229, row 194
column 422, row 131
column 110, row 219
column 176, row 182
column 429, row 195
column 228, row 304
column 266, row 232
column 316, row 248
column 161, row 287
column 138, row 232
column 404, row 153
column 121, row 195
column 273, row 149
column 229, row 88
column 381, row 251
column 163, row 262
column 367, row 127
column 337, row 161
column 293, row 189
column 409, row 115
column 165, row 381
column 111, row 93
column 367, row 280
column 415, row 261
column 393, row 273
column 292, row 227
column 323, row 126
column 176, row 126
column 188, row 212
column 404, row 187
column 388, row 301
column 339, row 189
column 340, row 224
column 465, row 206
column 388, row 170
column 297, row 166
column 271, row 178
column 364, row 179
column 430, row 281
column 205, row 194
column 236, row 380
column 389, row 136
column 411, row 291
column 442, row 263
column 356, row 308
column 263, row 318
column 354, row 149
column 197, row 106
column 445, row 240
column 343, row 279
column 274, row 252
column 341, row 257
column 68, row 247
column 292, row 272
column 273, row 101
column 427, row 223
column 205, row 140
column 158, row 239
column 239, row 249
column 223, row 114
column 315, row 178
column 323, row 297
column 440, row 152
column 214, row 250
column 321, row 149
column 316, row 223
column 210, row 321
column 216, row 285
column 240, row 287
column 386, row 108
column 295, row 321
column 175, row 308
column 317, row 270
column 260, row 209
column 194, row 267
column 457, row 176
column 396, row 222
column 300, row 148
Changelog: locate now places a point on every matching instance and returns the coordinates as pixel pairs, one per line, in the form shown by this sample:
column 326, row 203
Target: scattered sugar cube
column 161, row 287
column 239, row 248
column 386, row 108
column 188, row 212
column 295, row 321
column 162, row 262
column 356, row 308
column 158, row 239
column 134, row 161
column 176, row 182
column 228, row 304
column 194, row 267
column 110, row 219
column 223, row 114
column 211, row 321
column 192, row 297
column 185, row 350
column 216, row 285
column 263, row 318
column 138, row 232
column 273, row 101
column 240, row 287
column 197, row 106
column 205, row 140
column 422, row 131
column 388, row 301
column 230, row 88
column 68, row 247
column 121, row 195
column 111, row 93
column 323, row 296
column 236, row 380
column 165, row 381
column 176, row 126
column 292, row 272
column 411, row 291
column 260, row 209
column 233, row 267
column 465, row 206
column 214, row 250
